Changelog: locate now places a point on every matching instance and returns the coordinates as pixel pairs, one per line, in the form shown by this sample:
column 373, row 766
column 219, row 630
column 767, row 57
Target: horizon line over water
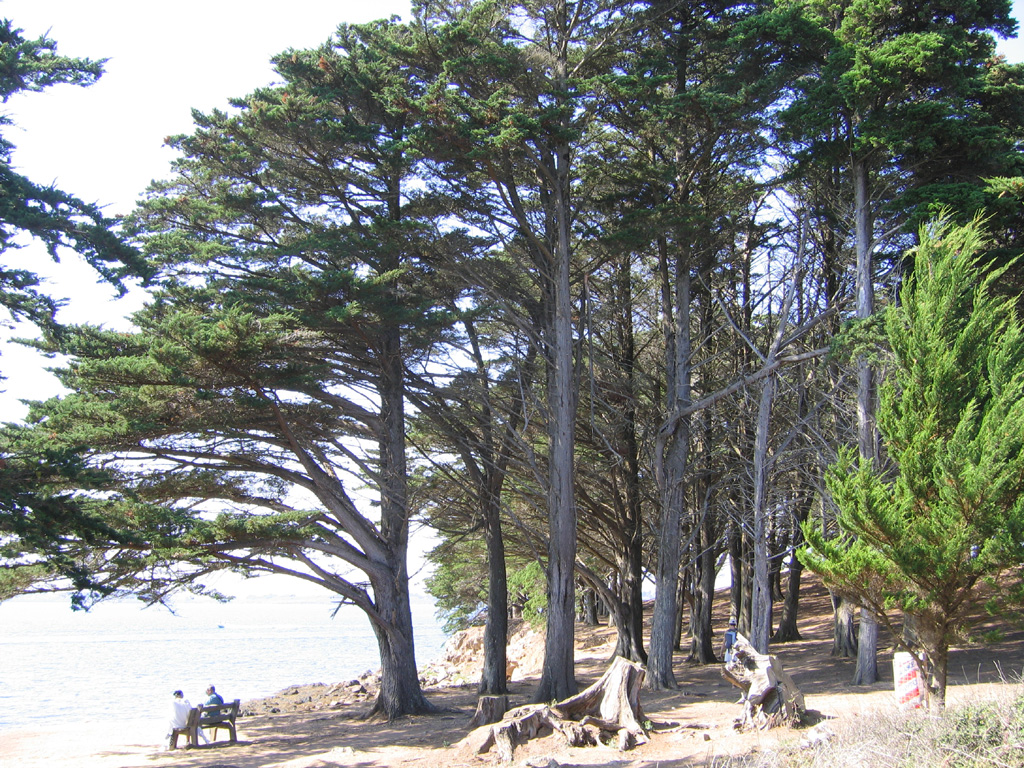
column 74, row 667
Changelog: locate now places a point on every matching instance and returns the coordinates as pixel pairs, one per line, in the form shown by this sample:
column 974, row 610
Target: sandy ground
column 316, row 727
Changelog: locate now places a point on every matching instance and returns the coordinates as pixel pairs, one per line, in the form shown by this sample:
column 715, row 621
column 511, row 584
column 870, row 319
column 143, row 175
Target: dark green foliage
column 528, row 590
column 44, row 521
column 41, row 517
column 913, row 94
column 458, row 582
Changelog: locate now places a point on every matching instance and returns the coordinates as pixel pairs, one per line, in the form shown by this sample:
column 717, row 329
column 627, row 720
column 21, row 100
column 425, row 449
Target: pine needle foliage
column 938, row 530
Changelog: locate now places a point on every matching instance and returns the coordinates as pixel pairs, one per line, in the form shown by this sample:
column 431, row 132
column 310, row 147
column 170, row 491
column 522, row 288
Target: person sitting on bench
column 179, row 714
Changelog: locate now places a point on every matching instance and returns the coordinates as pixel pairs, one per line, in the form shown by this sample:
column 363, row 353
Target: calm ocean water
column 59, row 666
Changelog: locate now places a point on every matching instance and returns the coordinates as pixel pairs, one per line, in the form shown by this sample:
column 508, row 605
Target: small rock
column 707, row 737
column 818, row 735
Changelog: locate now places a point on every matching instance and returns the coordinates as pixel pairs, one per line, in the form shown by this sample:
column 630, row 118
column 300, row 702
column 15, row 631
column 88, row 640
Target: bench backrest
column 225, row 711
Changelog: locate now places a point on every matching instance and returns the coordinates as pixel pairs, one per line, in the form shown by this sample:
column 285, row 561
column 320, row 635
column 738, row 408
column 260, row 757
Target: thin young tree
column 941, row 533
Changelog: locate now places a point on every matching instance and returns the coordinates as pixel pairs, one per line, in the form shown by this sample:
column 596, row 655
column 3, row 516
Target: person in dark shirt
column 214, row 700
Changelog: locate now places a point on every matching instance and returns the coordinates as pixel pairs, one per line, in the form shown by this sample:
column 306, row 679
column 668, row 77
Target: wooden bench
column 190, row 730
column 217, row 716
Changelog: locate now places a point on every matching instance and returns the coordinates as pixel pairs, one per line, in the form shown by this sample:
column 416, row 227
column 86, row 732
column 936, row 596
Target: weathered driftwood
column 489, row 709
column 770, row 697
column 607, row 711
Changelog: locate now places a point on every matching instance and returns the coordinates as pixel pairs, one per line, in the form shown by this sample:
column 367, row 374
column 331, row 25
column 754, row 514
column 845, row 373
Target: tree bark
column 671, row 456
column 400, row 692
column 770, row 697
column 788, row 631
column 489, row 709
column 558, row 679
column 761, row 601
column 866, row 671
column 867, row 434
column 493, row 676
column 736, row 571
column 745, row 621
column 589, row 612
column 844, row 639
column 610, row 707
column 629, row 608
column 702, row 650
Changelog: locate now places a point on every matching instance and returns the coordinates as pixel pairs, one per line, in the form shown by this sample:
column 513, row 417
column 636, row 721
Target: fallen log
column 608, row 711
column 770, row 697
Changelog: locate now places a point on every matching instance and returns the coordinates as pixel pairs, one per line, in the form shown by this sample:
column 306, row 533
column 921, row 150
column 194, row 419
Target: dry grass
column 987, row 732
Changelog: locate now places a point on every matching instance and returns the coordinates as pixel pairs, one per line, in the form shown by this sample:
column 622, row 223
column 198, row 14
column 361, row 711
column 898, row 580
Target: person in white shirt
column 179, row 714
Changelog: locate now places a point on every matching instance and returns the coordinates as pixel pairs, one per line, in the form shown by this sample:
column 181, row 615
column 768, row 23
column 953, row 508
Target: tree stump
column 770, row 697
column 489, row 709
column 610, row 708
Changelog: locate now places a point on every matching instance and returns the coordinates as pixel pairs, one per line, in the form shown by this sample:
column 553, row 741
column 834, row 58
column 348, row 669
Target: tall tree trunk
column 736, row 571
column 788, row 631
column 684, row 599
column 493, row 677
column 761, row 602
column 400, row 692
column 776, row 554
column 866, row 671
column 671, row 457
column 747, row 575
column 627, row 614
column 867, row 645
column 558, row 678
column 589, row 613
column 630, row 561
column 702, row 648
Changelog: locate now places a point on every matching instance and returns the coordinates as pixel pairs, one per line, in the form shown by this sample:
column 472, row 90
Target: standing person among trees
column 728, row 654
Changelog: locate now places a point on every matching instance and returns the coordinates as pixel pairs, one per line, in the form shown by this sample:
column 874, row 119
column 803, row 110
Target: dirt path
column 313, row 728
